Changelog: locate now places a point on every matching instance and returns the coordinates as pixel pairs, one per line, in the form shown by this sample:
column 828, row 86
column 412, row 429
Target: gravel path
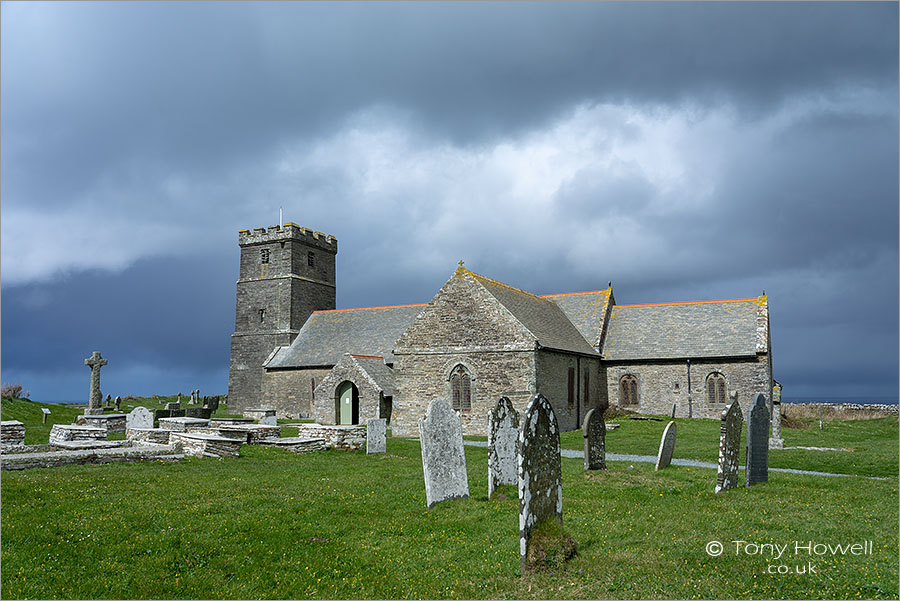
column 685, row 462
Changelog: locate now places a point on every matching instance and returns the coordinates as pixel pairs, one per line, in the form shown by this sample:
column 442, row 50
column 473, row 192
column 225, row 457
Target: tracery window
column 628, row 391
column 460, row 389
column 715, row 388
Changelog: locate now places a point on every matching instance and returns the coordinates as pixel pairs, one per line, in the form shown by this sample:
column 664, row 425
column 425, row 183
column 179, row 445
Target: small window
column 311, row 259
column 587, row 388
column 262, row 315
column 628, row 391
column 264, row 255
column 715, row 388
column 571, row 397
column 460, row 389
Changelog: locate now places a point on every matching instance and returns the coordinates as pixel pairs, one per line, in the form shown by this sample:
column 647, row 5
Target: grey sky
column 683, row 151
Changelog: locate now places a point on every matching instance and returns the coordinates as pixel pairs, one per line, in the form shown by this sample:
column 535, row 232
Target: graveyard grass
column 272, row 524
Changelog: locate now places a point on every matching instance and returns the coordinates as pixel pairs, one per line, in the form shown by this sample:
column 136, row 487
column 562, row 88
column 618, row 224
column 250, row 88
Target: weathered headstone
column 178, row 398
column 140, row 417
column 594, row 432
column 95, row 362
column 443, row 457
column 173, row 406
column 776, row 441
column 729, row 447
column 376, row 435
column 540, row 472
column 118, row 401
column 503, row 436
column 758, row 442
column 673, row 410
column 269, row 420
column 666, row 446
column 108, row 399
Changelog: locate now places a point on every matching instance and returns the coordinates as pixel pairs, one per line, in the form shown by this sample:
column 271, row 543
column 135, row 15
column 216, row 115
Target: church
column 476, row 340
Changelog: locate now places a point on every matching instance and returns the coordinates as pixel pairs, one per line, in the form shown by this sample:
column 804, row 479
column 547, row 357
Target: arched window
column 628, row 392
column 715, row 388
column 460, row 389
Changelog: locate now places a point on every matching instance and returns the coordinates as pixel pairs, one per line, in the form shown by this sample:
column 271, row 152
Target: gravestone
column 95, row 362
column 503, row 436
column 269, row 420
column 776, row 441
column 178, row 398
column 540, row 472
column 118, row 401
column 666, row 446
column 673, row 410
column 158, row 413
column 757, row 469
column 108, row 399
column 594, row 432
column 376, row 433
column 443, row 458
column 729, row 447
column 175, row 405
column 140, row 417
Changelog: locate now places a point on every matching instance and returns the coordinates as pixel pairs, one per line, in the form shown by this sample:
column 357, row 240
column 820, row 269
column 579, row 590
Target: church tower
column 286, row 273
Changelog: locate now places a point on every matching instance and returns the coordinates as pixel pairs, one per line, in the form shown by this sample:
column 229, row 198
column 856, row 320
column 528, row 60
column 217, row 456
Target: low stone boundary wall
column 215, row 422
column 250, row 433
column 348, row 438
column 205, row 445
column 295, row 444
column 21, row 461
column 114, row 422
column 148, row 435
column 63, row 433
column 12, row 433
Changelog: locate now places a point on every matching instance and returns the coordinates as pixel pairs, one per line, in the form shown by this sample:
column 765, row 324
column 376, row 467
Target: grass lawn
column 271, row 524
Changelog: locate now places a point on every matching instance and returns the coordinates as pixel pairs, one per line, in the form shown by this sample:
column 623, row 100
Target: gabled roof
column 689, row 330
column 378, row 371
column 327, row 335
column 586, row 311
column 540, row 316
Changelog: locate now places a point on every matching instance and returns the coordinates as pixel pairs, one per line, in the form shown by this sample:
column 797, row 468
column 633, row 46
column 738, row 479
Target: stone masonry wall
column 420, row 378
column 290, row 391
column 347, row 370
column 552, row 377
column 656, row 385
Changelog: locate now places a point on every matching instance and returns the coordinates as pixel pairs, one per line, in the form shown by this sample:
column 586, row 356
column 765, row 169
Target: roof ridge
column 499, row 283
column 369, row 308
column 366, row 356
column 574, row 293
column 728, row 300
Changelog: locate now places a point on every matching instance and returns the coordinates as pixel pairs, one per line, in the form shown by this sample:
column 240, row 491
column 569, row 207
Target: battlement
column 289, row 231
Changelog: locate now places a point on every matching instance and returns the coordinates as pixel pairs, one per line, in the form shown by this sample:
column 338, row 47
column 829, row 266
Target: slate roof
column 586, row 310
column 327, row 335
column 683, row 330
column 378, row 371
column 543, row 318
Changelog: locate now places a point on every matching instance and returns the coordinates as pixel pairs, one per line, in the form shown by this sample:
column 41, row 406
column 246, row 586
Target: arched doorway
column 346, row 404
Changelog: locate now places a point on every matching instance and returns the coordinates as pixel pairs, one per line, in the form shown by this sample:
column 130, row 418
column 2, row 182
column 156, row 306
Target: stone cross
column 758, row 441
column 594, row 433
column 666, row 446
column 776, row 441
column 95, row 362
column 443, row 456
column 503, row 436
column 376, row 433
column 540, row 472
column 729, row 447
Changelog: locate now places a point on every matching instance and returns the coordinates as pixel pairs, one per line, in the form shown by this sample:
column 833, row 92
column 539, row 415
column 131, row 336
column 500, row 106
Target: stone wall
column 421, row 378
column 290, row 391
column 657, row 389
column 348, row 438
column 347, row 370
column 552, row 377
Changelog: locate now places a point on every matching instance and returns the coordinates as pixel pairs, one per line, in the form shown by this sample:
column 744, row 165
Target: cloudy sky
column 683, row 151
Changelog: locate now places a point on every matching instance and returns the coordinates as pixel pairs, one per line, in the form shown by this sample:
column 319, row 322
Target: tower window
column 264, row 255
column 715, row 388
column 311, row 259
column 460, row 389
column 262, row 315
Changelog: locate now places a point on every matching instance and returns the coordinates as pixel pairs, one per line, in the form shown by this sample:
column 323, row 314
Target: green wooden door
column 346, row 401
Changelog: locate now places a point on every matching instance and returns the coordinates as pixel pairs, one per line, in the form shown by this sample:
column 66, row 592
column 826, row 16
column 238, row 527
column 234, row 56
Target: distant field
column 271, row 524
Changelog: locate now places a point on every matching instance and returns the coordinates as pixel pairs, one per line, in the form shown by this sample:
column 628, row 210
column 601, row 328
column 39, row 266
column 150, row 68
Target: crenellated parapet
column 289, row 231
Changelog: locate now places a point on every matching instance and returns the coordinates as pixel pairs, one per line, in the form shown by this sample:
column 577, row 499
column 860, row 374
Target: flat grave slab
column 205, row 445
column 148, row 435
column 21, row 461
column 181, row 424
column 296, row 444
column 253, row 433
column 215, row 422
column 12, row 432
column 114, row 422
column 347, row 438
column 64, row 432
column 257, row 413
column 89, row 444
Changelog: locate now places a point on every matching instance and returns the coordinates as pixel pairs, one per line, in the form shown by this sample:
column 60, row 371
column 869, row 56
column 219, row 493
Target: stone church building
column 476, row 340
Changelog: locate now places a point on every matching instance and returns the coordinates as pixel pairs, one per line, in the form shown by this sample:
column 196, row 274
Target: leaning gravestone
column 758, row 441
column 140, row 417
column 443, row 457
column 503, row 436
column 594, row 432
column 376, row 433
column 666, row 446
column 540, row 472
column 729, row 447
